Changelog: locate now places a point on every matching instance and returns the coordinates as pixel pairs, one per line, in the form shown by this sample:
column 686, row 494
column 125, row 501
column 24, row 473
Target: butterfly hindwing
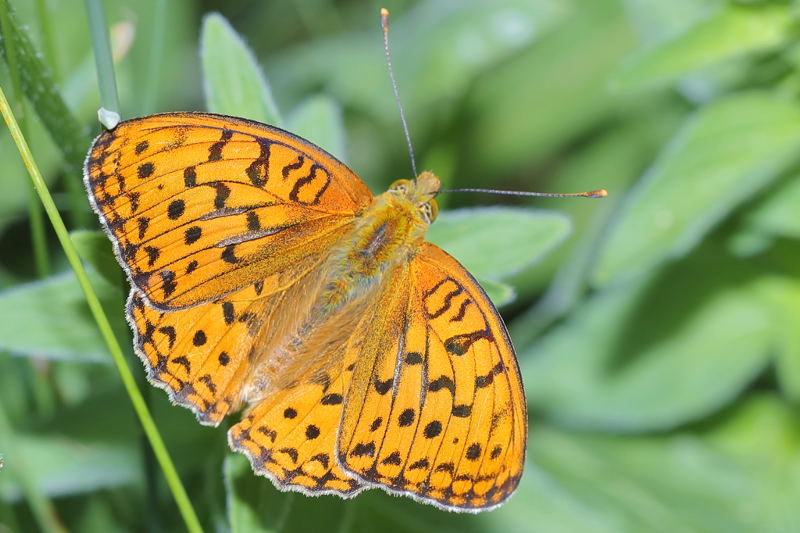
column 438, row 412
column 199, row 205
column 200, row 355
column 290, row 436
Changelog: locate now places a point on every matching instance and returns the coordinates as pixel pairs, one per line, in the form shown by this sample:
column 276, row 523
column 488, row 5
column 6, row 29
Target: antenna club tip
column 599, row 193
column 385, row 22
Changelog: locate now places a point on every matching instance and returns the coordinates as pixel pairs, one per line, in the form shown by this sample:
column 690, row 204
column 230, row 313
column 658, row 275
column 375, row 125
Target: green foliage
column 234, row 84
column 657, row 330
column 722, row 156
column 732, row 31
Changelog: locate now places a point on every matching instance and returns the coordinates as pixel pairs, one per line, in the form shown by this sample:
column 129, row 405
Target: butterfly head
column 421, row 192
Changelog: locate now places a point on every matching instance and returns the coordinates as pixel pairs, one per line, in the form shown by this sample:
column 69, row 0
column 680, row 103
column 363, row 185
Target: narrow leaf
column 733, row 31
column 40, row 88
column 655, row 354
column 723, row 155
column 233, row 80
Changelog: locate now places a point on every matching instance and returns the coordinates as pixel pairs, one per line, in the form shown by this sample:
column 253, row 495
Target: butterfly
column 265, row 277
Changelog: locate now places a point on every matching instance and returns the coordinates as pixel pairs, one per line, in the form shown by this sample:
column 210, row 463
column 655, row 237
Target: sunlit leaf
column 722, row 156
column 655, row 354
column 740, row 474
column 234, row 83
column 733, row 31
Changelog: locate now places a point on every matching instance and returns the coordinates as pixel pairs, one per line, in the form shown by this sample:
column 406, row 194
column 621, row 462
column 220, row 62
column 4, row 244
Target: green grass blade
column 103, row 60
column 157, row 37
column 149, row 426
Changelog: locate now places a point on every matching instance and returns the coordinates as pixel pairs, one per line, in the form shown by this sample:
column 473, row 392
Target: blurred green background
column 658, row 330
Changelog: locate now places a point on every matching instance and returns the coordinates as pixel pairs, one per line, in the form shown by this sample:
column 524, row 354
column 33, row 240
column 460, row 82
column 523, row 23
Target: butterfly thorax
column 385, row 235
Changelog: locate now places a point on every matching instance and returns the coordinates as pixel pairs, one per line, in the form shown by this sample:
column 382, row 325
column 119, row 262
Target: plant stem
column 149, row 426
column 102, row 56
column 155, row 56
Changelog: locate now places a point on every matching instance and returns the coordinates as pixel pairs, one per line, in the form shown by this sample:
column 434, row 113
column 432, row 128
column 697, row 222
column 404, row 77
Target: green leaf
column 739, row 475
column 50, row 319
column 722, row 156
column 14, row 200
column 76, row 454
column 438, row 48
column 783, row 295
column 67, row 466
column 95, row 248
column 234, row 83
column 496, row 242
column 731, row 32
column 654, row 354
column 319, row 119
column 562, row 83
column 656, row 21
column 777, row 214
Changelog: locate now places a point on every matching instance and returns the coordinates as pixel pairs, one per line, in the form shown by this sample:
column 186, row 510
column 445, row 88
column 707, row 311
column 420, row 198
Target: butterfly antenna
column 385, row 28
column 598, row 193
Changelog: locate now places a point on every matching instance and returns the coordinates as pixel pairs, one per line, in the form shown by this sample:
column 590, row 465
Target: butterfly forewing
column 200, row 205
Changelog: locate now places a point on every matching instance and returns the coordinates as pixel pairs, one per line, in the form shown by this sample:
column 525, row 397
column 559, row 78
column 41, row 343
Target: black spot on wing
column 175, row 209
column 433, row 429
column 406, row 418
column 442, row 382
column 392, row 459
column 383, row 386
column 145, row 170
column 227, row 312
column 363, row 450
column 331, row 399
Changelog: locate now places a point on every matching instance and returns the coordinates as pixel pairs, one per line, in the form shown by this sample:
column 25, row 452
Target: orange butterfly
column 266, row 276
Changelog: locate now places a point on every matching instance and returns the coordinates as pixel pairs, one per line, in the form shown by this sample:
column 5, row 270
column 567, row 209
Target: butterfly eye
column 430, row 210
column 400, row 186
column 434, row 207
